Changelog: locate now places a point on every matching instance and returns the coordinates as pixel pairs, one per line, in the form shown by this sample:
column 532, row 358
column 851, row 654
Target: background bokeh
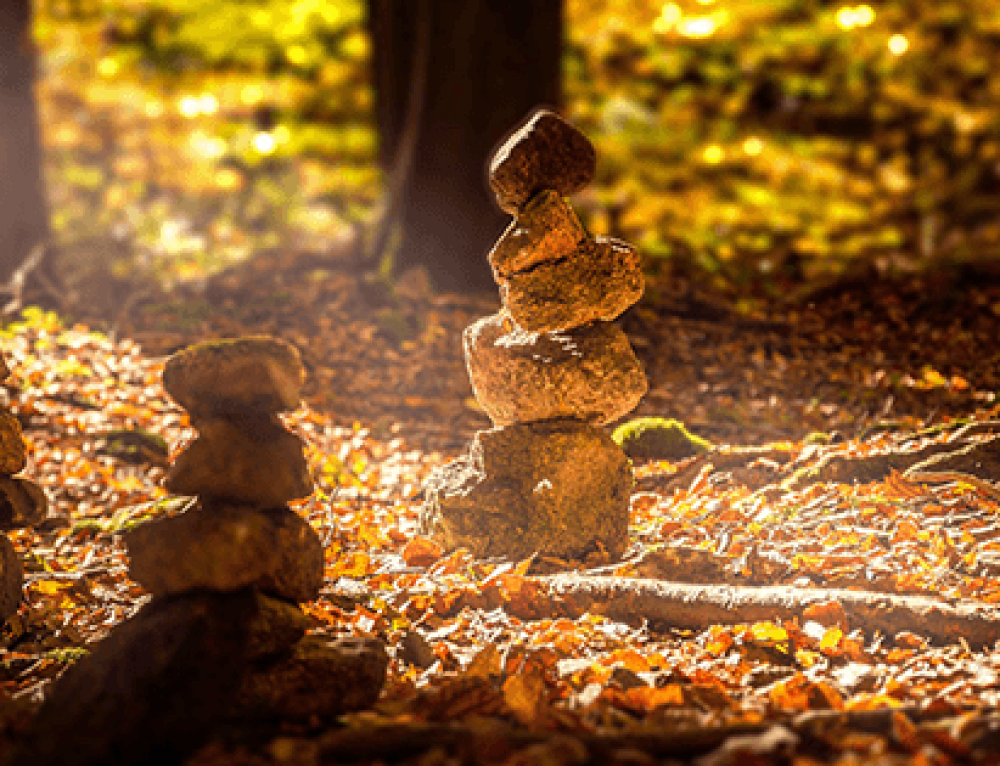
column 759, row 144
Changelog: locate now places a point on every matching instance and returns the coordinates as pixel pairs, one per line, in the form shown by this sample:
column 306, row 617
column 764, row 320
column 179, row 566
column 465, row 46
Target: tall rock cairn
column 223, row 639
column 549, row 369
column 22, row 504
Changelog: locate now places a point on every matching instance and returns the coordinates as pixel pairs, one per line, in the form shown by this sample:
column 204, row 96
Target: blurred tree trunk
column 24, row 219
column 451, row 79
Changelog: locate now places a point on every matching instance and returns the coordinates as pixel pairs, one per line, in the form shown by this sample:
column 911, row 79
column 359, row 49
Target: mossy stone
column 654, row 438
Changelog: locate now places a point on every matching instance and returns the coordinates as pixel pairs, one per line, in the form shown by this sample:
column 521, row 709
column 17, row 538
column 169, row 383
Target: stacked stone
column 22, row 504
column 223, row 638
column 548, row 369
column 244, row 467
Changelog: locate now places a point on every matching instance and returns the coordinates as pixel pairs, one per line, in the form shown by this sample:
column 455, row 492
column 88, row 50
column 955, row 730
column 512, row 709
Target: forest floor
column 842, row 391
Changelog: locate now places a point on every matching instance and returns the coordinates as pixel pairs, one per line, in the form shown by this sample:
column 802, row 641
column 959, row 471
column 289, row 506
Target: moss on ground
column 653, row 438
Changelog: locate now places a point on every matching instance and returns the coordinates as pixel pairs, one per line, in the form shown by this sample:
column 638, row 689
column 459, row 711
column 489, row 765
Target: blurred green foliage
column 758, row 142
column 774, row 140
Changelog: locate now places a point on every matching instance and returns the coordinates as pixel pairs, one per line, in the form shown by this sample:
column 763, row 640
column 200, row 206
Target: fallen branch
column 988, row 488
column 697, row 607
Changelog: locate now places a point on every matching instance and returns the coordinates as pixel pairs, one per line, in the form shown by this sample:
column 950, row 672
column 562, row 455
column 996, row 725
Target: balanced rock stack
column 223, row 639
column 244, row 467
column 22, row 504
column 548, row 369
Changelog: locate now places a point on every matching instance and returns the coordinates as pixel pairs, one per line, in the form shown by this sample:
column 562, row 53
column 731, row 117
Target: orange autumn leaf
column 486, row 663
column 648, row 698
column 421, row 552
column 831, row 640
column 628, row 658
column 768, row 632
column 526, row 697
column 801, row 693
column 827, row 613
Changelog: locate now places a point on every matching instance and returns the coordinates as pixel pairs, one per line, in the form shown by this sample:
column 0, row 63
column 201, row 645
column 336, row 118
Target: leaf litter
column 489, row 667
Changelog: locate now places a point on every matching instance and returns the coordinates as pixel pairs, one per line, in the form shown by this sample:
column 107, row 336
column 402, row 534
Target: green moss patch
column 654, row 438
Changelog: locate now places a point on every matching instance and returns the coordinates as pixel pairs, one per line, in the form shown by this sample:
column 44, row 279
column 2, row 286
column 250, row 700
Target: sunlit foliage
column 760, row 141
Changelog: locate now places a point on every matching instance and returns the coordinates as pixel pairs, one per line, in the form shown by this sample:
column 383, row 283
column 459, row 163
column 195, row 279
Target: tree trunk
column 24, row 218
column 451, row 80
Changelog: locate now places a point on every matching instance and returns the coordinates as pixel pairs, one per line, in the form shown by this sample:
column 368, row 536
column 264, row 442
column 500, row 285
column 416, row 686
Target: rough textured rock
column 544, row 153
column 151, row 692
column 11, row 578
column 226, row 548
column 320, row 677
column 599, row 281
column 13, row 453
column 589, row 372
column 546, row 230
column 22, row 503
column 235, row 376
column 257, row 463
column 560, row 488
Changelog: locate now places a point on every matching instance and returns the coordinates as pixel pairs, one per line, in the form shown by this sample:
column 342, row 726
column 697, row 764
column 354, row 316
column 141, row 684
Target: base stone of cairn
column 548, row 370
column 558, row 486
column 22, row 504
column 223, row 640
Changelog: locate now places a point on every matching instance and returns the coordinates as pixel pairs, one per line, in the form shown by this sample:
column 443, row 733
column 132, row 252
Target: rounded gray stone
column 558, row 488
column 225, row 548
column 600, row 280
column 589, row 373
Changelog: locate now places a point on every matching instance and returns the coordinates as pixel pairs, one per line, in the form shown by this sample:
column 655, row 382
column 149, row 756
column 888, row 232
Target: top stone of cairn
column 234, row 377
column 544, row 153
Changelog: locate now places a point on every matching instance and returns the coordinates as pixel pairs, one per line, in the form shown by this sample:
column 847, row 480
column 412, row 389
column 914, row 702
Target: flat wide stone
column 13, row 453
column 319, row 677
column 22, row 503
column 225, row 548
column 221, row 377
column 597, row 282
column 589, row 373
column 253, row 462
column 559, row 488
column 546, row 230
column 546, row 152
column 11, row 578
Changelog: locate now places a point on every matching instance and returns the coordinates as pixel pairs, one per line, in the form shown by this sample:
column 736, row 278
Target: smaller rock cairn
column 223, row 638
column 548, row 369
column 22, row 504
column 244, row 467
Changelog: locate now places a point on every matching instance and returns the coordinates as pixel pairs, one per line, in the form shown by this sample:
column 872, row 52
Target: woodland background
column 814, row 189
